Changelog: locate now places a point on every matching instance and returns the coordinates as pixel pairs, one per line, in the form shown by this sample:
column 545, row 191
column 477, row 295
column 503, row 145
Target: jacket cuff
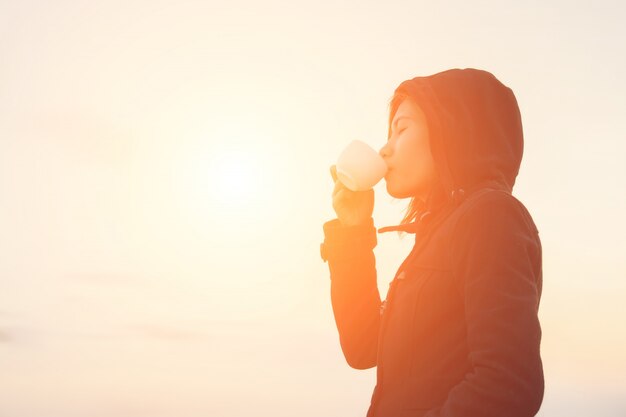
column 343, row 242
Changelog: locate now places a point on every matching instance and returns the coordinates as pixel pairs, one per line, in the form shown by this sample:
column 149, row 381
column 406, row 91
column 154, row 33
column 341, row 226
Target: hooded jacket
column 458, row 334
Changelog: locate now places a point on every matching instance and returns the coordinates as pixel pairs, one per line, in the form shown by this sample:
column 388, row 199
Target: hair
column 416, row 206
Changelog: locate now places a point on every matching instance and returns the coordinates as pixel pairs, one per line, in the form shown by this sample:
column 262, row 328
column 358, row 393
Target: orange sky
column 164, row 179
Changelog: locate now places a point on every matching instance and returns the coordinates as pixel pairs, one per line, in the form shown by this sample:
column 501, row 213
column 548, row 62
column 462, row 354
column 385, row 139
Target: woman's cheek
column 405, row 153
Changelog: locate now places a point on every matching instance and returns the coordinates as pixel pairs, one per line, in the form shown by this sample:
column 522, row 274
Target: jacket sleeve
column 354, row 291
column 497, row 255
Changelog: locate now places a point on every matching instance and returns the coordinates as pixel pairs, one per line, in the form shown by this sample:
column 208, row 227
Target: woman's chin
column 395, row 193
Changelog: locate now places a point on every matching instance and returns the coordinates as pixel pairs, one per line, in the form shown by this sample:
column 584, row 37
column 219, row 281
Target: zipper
column 385, row 305
column 384, row 312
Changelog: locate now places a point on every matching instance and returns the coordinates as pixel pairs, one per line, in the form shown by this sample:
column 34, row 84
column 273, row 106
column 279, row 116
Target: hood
column 475, row 127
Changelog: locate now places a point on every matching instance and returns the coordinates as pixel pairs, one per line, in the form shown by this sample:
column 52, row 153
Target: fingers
column 341, row 198
column 338, row 187
column 340, row 192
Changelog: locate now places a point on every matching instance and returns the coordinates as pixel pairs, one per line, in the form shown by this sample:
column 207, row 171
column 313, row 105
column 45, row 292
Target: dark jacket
column 458, row 334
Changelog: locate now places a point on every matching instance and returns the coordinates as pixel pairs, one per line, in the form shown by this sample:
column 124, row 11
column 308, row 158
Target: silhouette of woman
column 458, row 334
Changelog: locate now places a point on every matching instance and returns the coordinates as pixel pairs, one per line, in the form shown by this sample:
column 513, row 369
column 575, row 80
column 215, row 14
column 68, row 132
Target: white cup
column 360, row 167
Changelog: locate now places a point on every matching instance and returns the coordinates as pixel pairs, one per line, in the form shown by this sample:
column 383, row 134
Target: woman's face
column 411, row 169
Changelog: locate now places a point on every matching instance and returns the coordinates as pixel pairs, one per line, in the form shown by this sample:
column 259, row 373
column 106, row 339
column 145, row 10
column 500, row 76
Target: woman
column 458, row 334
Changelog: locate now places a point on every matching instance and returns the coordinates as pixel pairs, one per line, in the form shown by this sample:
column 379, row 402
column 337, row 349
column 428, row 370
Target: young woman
column 458, row 334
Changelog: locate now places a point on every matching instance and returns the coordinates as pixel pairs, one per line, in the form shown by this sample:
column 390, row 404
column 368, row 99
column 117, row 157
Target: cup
column 360, row 167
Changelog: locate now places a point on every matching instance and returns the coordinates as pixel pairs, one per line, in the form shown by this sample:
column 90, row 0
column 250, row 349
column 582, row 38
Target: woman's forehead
column 408, row 109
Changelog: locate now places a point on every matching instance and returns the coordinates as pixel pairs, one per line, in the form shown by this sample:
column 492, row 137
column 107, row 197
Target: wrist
column 348, row 240
column 356, row 223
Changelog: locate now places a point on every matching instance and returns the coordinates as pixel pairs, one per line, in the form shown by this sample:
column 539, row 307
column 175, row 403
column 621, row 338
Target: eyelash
column 400, row 131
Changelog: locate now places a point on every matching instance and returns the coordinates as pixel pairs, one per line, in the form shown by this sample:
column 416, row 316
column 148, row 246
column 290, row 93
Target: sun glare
column 235, row 177
column 226, row 183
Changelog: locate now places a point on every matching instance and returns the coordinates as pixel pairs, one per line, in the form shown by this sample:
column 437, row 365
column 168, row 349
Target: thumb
column 333, row 172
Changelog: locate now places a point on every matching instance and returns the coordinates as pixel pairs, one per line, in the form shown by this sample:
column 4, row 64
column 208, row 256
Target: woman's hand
column 352, row 207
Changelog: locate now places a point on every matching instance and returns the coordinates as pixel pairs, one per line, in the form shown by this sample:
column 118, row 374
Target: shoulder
column 496, row 241
column 493, row 224
column 495, row 209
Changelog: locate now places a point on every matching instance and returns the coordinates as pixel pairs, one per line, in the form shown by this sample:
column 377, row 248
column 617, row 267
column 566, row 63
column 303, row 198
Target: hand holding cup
column 352, row 207
column 359, row 167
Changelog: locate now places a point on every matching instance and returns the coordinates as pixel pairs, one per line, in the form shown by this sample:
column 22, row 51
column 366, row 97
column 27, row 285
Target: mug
column 360, row 167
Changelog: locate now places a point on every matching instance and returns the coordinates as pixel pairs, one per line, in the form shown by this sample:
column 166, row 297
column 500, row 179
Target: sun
column 235, row 176
column 225, row 185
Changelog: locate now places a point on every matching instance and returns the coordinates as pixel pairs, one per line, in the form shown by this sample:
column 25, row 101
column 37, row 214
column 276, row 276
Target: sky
column 164, row 178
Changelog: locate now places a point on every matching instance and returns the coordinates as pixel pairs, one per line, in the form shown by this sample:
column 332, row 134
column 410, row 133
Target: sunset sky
column 164, row 178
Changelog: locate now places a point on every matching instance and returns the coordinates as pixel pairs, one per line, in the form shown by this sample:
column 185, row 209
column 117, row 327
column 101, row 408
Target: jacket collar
column 455, row 199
